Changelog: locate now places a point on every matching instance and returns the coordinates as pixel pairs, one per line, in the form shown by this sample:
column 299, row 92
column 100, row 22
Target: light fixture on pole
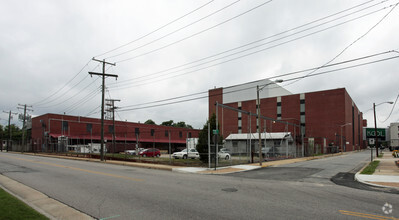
column 259, row 123
column 375, row 129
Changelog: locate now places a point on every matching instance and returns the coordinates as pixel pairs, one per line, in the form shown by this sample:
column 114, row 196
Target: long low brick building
column 49, row 128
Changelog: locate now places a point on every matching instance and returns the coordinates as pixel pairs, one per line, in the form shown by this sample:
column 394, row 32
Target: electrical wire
column 281, row 75
column 393, row 107
column 175, row 31
column 92, row 112
column 36, row 103
column 74, row 96
column 84, row 100
column 197, row 33
column 269, row 37
column 157, row 29
column 355, row 41
column 66, row 92
column 251, row 53
column 294, row 78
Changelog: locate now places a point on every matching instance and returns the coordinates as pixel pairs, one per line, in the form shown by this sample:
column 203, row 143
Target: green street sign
column 215, row 131
column 370, row 132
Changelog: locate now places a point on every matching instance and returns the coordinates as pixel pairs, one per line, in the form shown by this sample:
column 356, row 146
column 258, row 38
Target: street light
column 259, row 123
column 342, row 144
column 375, row 130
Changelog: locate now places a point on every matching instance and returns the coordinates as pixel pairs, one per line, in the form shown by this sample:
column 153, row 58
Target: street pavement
column 386, row 175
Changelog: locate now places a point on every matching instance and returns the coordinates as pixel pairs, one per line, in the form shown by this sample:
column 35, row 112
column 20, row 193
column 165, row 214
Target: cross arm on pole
column 102, row 61
column 103, row 74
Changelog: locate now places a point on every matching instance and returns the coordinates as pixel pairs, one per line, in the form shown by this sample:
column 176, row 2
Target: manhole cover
column 230, row 190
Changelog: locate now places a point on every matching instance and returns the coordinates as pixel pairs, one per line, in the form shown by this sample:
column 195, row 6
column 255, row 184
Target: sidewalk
column 385, row 175
column 45, row 205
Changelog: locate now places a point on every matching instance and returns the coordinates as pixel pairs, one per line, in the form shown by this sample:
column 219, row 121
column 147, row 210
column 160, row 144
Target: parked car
column 130, row 152
column 150, row 152
column 225, row 150
column 133, row 152
column 192, row 153
column 265, row 150
column 224, row 155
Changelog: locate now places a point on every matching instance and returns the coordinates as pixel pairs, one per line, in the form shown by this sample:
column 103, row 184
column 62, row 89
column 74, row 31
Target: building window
column 189, row 134
column 302, row 118
column 137, row 131
column 89, row 127
column 235, row 144
column 302, row 108
column 180, row 134
column 152, row 132
column 278, row 111
column 166, row 134
column 64, row 126
column 110, row 128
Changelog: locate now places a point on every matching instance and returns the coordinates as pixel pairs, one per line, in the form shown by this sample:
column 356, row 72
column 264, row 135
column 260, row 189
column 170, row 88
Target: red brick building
column 48, row 128
column 320, row 116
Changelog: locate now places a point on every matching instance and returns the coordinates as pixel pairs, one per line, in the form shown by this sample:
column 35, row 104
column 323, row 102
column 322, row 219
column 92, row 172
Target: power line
column 94, row 111
column 73, row 96
column 157, row 29
column 393, row 107
column 294, row 78
column 84, row 100
column 269, row 37
column 36, row 103
column 175, row 31
column 197, row 33
column 248, row 54
column 66, row 92
column 281, row 75
column 357, row 39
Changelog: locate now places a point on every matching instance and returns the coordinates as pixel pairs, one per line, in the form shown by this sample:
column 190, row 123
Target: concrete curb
column 358, row 178
column 43, row 204
column 115, row 162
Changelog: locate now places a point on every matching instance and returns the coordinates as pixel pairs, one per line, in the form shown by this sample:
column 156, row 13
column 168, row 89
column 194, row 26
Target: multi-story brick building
column 328, row 118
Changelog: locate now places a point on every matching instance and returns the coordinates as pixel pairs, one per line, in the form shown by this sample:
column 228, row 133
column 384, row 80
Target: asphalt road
column 296, row 191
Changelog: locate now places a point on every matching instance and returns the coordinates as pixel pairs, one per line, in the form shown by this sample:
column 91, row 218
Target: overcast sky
column 169, row 48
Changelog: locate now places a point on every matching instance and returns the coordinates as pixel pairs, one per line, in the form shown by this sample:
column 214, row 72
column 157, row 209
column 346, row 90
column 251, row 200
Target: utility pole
column 375, row 131
column 103, row 74
column 111, row 103
column 25, row 108
column 9, row 128
column 259, row 127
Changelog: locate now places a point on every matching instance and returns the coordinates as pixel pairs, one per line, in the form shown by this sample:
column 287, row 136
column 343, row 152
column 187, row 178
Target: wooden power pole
column 103, row 75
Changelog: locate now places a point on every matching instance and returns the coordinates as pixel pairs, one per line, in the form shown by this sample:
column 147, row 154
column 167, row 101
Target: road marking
column 75, row 168
column 364, row 215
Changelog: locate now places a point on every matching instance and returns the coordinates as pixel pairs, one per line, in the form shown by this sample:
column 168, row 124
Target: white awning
column 275, row 135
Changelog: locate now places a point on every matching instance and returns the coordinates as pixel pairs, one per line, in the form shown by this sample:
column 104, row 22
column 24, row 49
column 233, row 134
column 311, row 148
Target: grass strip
column 371, row 167
column 12, row 208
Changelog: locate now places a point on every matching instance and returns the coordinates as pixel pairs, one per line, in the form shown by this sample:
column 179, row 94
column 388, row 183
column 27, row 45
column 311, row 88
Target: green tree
column 183, row 124
column 2, row 134
column 168, row 123
column 149, row 122
column 16, row 132
column 180, row 124
column 202, row 145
